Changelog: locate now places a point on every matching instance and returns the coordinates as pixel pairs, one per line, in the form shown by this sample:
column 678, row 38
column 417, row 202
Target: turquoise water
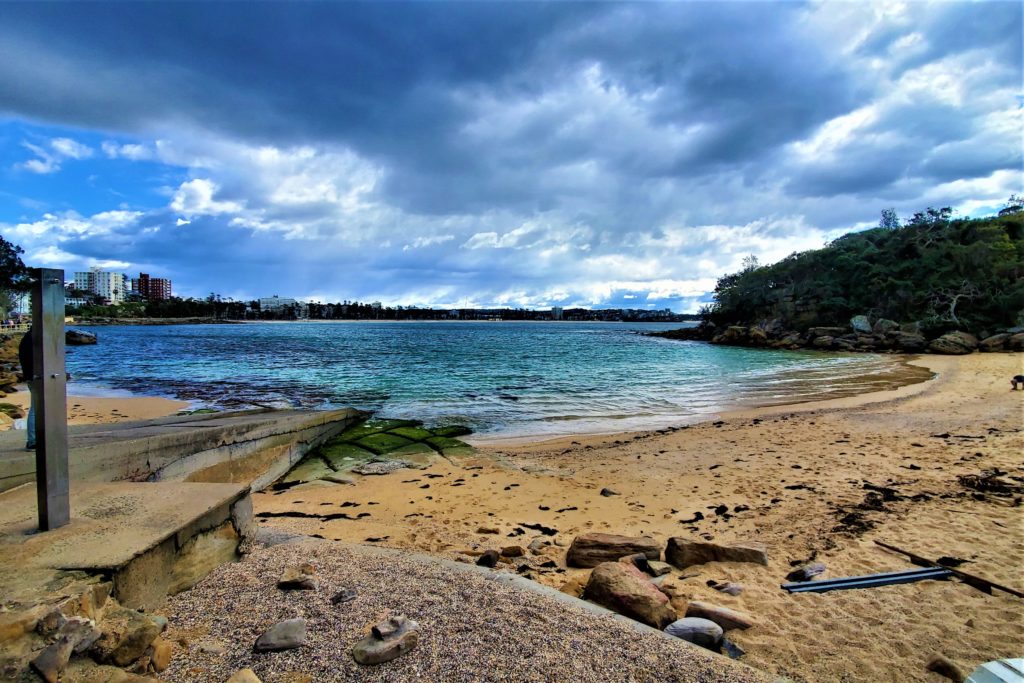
column 503, row 379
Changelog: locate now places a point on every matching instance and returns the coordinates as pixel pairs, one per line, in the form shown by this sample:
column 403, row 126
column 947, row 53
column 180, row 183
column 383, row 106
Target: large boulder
column 823, row 342
column 826, row 332
column 625, row 589
column 1016, row 342
column 954, row 344
column 885, row 326
column 909, row 342
column 682, row 553
column 590, row 550
column 994, row 343
column 861, row 324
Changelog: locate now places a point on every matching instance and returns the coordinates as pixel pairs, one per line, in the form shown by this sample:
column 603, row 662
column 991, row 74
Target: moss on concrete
column 343, row 456
column 412, row 433
column 383, row 443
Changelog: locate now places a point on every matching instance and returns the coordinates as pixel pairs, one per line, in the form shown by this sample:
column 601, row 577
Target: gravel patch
column 471, row 628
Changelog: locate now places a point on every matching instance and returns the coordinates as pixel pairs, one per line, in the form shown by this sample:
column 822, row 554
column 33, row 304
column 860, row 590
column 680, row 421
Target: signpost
column 50, row 398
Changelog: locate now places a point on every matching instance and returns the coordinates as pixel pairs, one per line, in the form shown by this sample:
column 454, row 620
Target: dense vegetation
column 943, row 272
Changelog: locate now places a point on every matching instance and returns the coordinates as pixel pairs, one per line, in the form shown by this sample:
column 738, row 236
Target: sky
column 492, row 153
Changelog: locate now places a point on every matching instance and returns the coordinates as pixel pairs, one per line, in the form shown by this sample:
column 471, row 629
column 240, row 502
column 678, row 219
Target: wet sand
column 791, row 477
column 104, row 410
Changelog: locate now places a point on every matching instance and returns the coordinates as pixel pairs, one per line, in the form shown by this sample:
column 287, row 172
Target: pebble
column 944, row 667
column 806, row 571
column 488, row 559
column 608, row 492
column 343, row 596
column 298, row 577
column 284, row 635
column 244, row 676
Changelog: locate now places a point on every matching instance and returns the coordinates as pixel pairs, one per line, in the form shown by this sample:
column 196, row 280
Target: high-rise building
column 152, row 288
column 111, row 287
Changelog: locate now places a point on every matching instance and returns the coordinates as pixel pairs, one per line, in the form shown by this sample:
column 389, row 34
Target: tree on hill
column 938, row 270
column 13, row 275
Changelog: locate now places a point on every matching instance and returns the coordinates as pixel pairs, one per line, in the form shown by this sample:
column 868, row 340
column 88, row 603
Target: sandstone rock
column 575, row 585
column 127, row 635
column 682, row 553
column 76, row 634
column 954, row 344
column 909, row 341
column 1016, row 342
column 513, row 551
column 538, row 544
column 590, row 550
column 160, row 657
column 657, row 568
column 885, row 326
column 624, row 589
column 826, row 332
column 284, row 635
column 298, row 577
column 487, row 530
column 727, row 587
column 488, row 559
column 757, row 336
column 994, row 343
column 806, row 571
column 79, row 338
column 244, row 676
column 606, row 492
column 860, row 323
column 51, row 661
column 944, row 667
column 703, row 632
column 823, row 342
column 723, row 616
column 388, row 640
column 344, row 595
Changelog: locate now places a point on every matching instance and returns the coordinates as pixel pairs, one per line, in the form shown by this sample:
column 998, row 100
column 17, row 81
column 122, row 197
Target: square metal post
column 50, row 382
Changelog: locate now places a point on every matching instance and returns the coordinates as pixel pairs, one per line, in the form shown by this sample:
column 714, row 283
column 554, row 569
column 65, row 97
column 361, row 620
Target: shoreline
column 91, row 409
column 795, row 478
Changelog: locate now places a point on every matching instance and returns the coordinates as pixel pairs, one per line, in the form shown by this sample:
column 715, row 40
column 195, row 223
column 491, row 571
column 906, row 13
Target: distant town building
column 276, row 303
column 151, row 288
column 75, row 301
column 557, row 312
column 110, row 287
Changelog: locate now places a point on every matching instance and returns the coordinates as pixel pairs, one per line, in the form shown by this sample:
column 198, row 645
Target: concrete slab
column 252, row 447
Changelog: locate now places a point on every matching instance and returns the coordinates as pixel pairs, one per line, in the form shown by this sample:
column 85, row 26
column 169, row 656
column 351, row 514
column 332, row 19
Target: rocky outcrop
column 624, row 589
column 682, row 553
column 590, row 550
column 994, row 343
column 79, row 338
column 861, row 324
column 954, row 344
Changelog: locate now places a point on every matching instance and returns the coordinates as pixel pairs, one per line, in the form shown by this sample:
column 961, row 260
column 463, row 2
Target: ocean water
column 504, row 379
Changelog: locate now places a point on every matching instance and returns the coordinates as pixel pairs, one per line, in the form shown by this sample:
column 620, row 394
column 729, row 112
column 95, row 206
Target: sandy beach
column 106, row 410
column 791, row 477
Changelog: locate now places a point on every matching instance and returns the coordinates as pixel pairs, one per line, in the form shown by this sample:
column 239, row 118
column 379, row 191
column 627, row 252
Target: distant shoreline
column 104, row 322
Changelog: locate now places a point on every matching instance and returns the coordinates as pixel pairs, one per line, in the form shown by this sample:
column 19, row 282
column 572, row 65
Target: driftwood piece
column 978, row 582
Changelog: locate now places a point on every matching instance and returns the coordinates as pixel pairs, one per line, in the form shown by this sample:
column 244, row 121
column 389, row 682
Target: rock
column 488, row 559
column 826, row 332
column 538, row 544
column 703, row 632
column 388, row 640
column 244, row 676
column 608, row 492
column 727, row 587
column 343, row 596
column 727, row 618
column 51, row 661
column 79, row 338
column 860, row 323
column 823, row 342
column 160, row 658
column 513, row 551
column 639, row 560
column 757, row 336
column 298, row 578
column 487, row 530
column 386, row 467
column 657, row 568
column 909, row 341
column 575, row 585
column 806, row 571
column 284, row 635
column 127, row 635
column 954, row 344
column 624, row 589
column 884, row 326
column 994, row 343
column 1016, row 342
column 731, row 649
column 944, row 667
column 682, row 553
column 590, row 550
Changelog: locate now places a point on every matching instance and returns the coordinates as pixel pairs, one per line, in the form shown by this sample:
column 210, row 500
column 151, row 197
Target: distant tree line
column 938, row 270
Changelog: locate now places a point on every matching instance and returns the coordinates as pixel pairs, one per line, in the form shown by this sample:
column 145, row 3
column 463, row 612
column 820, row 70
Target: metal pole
column 50, row 398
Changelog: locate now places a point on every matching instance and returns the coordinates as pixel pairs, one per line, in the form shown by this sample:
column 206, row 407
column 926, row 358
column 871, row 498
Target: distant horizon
column 500, row 154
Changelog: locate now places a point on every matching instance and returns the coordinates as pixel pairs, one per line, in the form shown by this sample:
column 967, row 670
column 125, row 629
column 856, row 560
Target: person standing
column 27, row 360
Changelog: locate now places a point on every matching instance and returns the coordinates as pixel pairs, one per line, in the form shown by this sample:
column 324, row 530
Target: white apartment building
column 110, row 287
column 274, row 303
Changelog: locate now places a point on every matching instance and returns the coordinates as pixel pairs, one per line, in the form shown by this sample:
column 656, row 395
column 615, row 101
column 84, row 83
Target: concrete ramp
column 252, row 447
